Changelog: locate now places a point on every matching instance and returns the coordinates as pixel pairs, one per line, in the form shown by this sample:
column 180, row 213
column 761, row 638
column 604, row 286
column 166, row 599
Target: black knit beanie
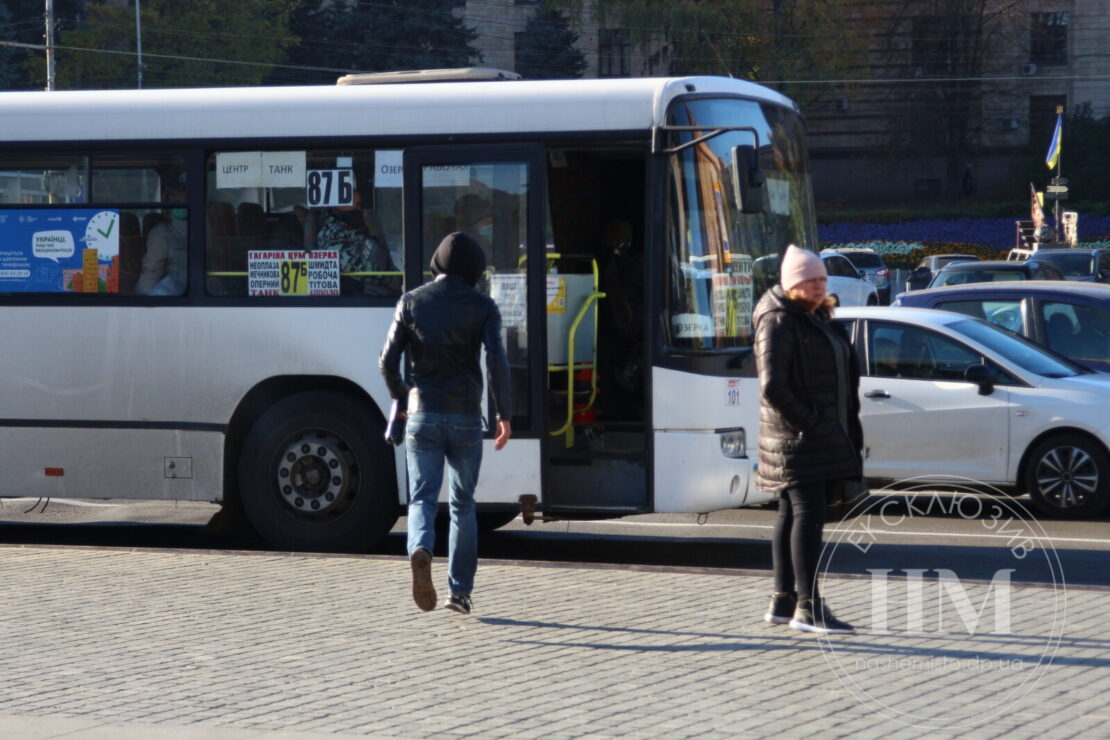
column 459, row 255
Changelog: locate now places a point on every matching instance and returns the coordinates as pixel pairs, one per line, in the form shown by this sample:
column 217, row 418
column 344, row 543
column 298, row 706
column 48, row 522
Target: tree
column 795, row 45
column 10, row 76
column 384, row 35
column 244, row 37
column 936, row 53
column 22, row 69
column 546, row 49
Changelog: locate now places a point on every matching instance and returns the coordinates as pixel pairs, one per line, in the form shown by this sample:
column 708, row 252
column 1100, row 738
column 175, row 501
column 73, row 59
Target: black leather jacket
column 442, row 326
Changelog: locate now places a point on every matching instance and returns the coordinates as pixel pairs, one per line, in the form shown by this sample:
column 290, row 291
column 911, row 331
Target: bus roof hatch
column 461, row 74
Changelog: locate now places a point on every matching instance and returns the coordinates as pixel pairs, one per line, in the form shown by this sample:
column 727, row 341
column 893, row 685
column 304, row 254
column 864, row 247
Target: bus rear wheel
column 315, row 475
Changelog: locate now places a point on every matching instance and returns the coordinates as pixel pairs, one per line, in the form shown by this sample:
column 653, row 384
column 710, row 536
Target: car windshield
column 863, row 259
column 1017, row 349
column 959, row 277
column 1072, row 265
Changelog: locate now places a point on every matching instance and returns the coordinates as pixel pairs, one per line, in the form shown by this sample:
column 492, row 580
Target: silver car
column 870, row 263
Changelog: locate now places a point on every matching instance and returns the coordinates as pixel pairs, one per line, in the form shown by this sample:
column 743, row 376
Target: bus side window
column 318, row 201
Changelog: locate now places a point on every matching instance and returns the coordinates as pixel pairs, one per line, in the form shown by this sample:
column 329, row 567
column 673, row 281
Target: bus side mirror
column 747, row 179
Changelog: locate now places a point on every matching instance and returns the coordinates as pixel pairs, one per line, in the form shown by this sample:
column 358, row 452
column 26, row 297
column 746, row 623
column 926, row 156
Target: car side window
column 910, row 352
column 1079, row 332
column 1005, row 312
column 842, row 267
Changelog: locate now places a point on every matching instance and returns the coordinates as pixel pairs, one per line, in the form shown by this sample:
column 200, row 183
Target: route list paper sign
column 293, row 272
column 510, row 294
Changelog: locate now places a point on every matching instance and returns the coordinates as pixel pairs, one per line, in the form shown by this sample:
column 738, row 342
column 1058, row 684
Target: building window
column 1042, row 118
column 614, row 58
column 934, row 40
column 1048, row 38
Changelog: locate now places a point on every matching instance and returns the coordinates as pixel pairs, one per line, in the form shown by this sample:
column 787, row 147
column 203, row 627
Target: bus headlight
column 733, row 443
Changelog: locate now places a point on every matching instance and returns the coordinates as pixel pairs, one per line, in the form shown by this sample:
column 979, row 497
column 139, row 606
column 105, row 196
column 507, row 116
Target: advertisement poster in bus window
column 293, row 272
column 59, row 250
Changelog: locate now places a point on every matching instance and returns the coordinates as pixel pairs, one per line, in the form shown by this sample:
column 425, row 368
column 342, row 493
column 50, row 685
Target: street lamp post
column 138, row 46
column 49, row 44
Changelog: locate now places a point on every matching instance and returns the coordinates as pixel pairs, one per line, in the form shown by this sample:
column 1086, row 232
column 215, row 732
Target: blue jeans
column 430, row 439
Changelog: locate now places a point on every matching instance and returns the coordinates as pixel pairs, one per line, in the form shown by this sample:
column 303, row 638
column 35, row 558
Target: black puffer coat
column 800, row 438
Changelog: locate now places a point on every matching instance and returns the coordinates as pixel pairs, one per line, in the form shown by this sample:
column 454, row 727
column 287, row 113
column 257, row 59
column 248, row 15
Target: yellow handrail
column 568, row 427
column 390, row 273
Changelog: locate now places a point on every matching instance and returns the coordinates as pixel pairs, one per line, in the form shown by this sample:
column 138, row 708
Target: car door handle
column 876, row 394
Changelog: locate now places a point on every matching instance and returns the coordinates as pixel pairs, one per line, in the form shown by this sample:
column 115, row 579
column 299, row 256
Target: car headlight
column 733, row 443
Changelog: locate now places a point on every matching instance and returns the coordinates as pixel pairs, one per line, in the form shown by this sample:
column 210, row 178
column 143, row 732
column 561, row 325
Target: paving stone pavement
column 110, row 643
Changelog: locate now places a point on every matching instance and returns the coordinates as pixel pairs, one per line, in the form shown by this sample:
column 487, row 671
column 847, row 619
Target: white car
column 943, row 394
column 848, row 285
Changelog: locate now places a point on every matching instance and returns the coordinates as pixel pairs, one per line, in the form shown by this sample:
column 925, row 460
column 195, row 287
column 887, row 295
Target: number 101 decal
column 331, row 188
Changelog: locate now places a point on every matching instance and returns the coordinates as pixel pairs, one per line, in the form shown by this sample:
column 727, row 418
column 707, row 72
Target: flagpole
column 1059, row 167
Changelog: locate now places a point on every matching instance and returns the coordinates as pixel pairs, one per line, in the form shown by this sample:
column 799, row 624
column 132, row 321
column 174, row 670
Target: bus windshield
column 720, row 261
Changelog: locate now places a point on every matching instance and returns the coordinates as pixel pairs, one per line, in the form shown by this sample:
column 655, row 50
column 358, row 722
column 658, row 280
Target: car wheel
column 835, row 299
column 1068, row 475
column 315, row 474
column 872, row 300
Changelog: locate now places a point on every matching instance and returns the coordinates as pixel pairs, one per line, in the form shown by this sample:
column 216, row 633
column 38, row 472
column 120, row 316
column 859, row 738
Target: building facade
column 949, row 102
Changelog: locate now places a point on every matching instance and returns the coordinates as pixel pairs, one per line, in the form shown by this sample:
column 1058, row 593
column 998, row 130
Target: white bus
column 196, row 285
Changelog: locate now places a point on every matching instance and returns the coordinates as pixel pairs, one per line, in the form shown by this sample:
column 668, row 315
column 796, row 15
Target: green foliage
column 10, row 76
column 382, row 36
column 777, row 41
column 547, row 48
column 244, row 31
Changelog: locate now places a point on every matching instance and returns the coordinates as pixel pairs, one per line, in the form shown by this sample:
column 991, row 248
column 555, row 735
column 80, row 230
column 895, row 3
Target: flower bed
column 906, row 255
column 987, row 232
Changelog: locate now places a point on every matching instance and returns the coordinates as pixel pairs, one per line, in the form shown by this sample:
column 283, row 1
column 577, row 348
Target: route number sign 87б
column 330, row 188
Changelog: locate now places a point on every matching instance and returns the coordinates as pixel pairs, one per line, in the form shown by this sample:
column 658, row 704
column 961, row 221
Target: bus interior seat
column 150, row 219
column 250, row 220
column 132, row 249
column 220, row 248
column 284, row 231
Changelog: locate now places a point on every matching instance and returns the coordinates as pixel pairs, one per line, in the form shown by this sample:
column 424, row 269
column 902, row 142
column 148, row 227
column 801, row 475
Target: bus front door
column 496, row 195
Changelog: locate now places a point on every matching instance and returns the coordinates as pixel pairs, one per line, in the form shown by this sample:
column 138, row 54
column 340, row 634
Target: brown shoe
column 423, row 592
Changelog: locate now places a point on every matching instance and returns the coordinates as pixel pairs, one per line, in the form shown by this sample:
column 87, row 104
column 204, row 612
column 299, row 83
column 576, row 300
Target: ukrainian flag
column 1054, row 148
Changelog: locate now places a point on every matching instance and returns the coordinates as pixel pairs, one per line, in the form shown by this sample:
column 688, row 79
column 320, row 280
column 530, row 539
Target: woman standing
column 810, row 435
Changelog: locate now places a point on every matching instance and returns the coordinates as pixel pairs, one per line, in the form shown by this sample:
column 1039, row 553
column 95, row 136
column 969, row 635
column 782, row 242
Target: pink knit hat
column 799, row 265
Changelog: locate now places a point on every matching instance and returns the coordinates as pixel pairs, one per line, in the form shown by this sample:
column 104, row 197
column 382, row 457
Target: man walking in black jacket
column 443, row 326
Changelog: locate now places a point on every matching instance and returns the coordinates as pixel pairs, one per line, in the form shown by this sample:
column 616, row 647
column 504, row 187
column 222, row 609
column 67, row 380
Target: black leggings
column 796, row 541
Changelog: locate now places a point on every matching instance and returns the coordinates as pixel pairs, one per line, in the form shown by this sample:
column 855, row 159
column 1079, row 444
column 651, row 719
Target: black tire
column 287, row 500
column 1068, row 475
column 835, row 300
column 872, row 300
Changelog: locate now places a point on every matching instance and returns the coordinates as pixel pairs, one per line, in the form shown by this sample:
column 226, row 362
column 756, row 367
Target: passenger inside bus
column 624, row 286
column 165, row 262
column 345, row 230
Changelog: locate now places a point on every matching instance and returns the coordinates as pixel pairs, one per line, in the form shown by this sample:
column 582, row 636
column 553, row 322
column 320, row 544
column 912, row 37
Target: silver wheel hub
column 312, row 475
column 1067, row 476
